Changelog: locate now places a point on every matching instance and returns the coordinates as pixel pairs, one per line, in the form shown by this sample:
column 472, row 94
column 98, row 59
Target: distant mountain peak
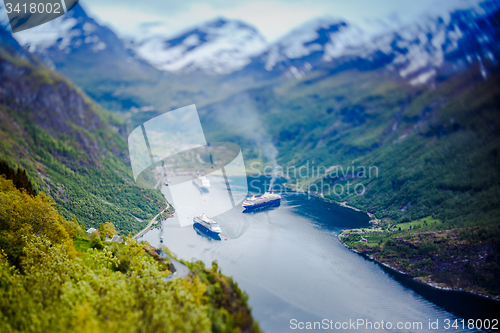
column 77, row 12
column 66, row 33
column 444, row 37
column 217, row 22
column 218, row 46
column 312, row 36
column 447, row 35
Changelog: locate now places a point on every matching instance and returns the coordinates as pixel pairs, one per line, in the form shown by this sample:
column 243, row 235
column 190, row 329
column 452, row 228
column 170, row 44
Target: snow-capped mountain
column 443, row 41
column 220, row 46
column 311, row 42
column 417, row 51
column 70, row 34
column 91, row 55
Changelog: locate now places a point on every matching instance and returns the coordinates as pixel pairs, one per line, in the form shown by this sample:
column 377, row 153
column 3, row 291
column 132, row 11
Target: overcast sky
column 272, row 17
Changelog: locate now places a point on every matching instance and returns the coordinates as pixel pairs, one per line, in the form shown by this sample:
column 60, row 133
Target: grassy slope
column 72, row 149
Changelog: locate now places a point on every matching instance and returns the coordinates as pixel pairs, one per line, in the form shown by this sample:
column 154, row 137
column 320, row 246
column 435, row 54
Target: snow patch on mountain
column 340, row 43
column 65, row 33
column 422, row 48
column 415, row 51
column 220, row 46
column 418, row 49
column 306, row 39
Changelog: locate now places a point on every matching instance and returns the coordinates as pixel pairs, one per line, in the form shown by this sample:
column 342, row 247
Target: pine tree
column 19, row 177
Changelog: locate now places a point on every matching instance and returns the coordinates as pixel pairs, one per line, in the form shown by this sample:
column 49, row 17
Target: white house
column 116, row 239
column 91, row 231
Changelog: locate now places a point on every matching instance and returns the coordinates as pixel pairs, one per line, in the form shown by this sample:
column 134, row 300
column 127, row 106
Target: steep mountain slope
column 73, row 150
column 402, row 151
column 219, row 46
column 160, row 73
column 310, row 44
column 92, row 56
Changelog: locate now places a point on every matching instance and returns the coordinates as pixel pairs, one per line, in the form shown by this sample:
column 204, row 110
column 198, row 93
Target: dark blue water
column 290, row 262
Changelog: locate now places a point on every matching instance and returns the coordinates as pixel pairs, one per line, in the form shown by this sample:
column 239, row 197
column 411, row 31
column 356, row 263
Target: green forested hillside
column 49, row 285
column 433, row 152
column 438, row 155
column 433, row 148
column 72, row 149
column 53, row 278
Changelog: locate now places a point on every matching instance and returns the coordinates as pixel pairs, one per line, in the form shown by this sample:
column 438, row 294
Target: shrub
column 96, row 243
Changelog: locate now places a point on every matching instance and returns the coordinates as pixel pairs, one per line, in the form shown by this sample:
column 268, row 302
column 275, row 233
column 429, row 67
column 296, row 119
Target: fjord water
column 290, row 262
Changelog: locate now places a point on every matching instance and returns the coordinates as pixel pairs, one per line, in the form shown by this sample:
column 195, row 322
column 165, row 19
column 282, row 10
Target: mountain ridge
column 416, row 51
column 218, row 46
column 223, row 46
column 128, row 84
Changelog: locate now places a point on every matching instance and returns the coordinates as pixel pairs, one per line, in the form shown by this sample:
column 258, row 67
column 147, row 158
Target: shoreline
column 369, row 257
column 416, row 279
column 374, row 221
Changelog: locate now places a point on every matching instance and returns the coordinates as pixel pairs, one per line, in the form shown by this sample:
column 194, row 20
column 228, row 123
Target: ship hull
column 264, row 205
column 202, row 230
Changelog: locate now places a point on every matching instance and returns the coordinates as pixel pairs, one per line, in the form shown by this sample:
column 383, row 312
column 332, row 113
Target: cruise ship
column 203, row 183
column 268, row 199
column 206, row 226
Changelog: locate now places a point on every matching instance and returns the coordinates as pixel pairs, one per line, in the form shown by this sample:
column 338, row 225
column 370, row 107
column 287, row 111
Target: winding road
column 143, row 231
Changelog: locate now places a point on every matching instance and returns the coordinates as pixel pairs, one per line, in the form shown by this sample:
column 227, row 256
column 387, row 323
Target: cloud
column 273, row 18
